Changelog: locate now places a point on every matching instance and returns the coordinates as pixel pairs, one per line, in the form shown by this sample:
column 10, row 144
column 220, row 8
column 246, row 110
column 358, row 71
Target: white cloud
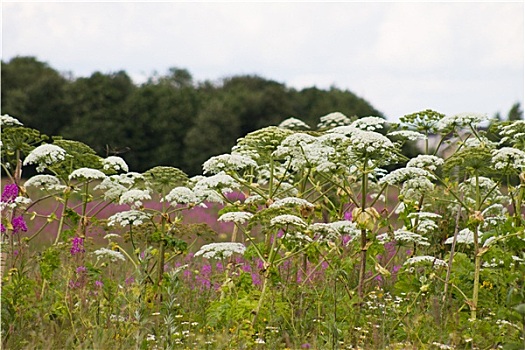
column 398, row 56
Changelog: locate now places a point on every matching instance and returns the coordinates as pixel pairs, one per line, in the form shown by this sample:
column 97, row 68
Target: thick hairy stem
column 364, row 241
column 477, row 258
column 362, row 265
column 62, row 218
column 267, row 269
column 261, row 299
column 451, row 257
column 477, row 268
column 83, row 218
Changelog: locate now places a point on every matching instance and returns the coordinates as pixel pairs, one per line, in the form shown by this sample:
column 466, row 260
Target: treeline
column 170, row 120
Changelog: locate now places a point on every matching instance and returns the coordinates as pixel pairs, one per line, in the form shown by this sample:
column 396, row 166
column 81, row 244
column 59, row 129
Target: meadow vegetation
column 301, row 239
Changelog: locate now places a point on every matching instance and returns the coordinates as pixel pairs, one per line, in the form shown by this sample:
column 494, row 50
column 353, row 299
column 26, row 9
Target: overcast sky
column 401, row 57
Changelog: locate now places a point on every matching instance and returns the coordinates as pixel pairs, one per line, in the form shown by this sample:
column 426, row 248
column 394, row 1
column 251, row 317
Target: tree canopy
column 170, row 119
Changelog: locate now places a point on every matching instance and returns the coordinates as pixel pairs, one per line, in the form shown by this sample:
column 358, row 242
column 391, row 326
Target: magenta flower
column 77, row 246
column 2, row 228
column 80, row 270
column 346, row 239
column 19, row 224
column 10, row 193
column 256, row 279
column 99, row 284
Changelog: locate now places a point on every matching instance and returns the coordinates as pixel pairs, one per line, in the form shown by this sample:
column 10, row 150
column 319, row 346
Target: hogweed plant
column 337, row 239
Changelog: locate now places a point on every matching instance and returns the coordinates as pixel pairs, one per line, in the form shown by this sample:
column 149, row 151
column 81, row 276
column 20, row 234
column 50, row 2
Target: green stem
column 62, row 218
column 477, row 268
column 477, row 258
column 83, row 218
column 364, row 240
column 268, row 269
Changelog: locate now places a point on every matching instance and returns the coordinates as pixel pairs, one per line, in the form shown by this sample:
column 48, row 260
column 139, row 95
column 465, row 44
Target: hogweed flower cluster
column 115, row 163
column 45, row 156
column 293, row 124
column 220, row 250
column 87, row 174
column 238, row 217
column 7, row 120
column 45, row 182
column 112, row 255
column 127, row 218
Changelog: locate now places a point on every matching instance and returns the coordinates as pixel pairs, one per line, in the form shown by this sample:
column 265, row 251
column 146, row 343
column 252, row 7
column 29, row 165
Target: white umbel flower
column 87, row 174
column 333, row 119
column 46, row 182
column 425, row 161
column 363, row 141
column 333, row 229
column 426, row 259
column 303, row 150
column 293, row 124
column 220, row 250
column 465, row 236
column 115, row 163
column 288, row 219
column 134, row 197
column 181, row 195
column 217, row 181
column 44, row 156
column 112, row 188
column 227, row 162
column 461, row 120
column 110, row 254
column 424, row 215
column 402, row 235
column 409, row 135
column 404, row 174
column 7, row 120
column 239, row 217
column 291, row 201
column 369, row 123
column 508, row 156
column 129, row 179
column 130, row 217
column 414, row 188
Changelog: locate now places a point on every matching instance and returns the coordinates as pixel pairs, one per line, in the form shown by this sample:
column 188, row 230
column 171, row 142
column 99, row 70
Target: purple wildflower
column 2, row 228
column 206, row 269
column 74, row 284
column 346, row 239
column 77, row 246
column 19, row 224
column 246, row 267
column 99, row 284
column 306, row 346
column 80, row 270
column 348, row 216
column 396, row 268
column 10, row 193
column 256, row 279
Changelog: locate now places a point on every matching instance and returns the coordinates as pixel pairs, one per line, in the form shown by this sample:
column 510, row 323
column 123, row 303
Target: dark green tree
column 35, row 94
column 515, row 113
column 214, row 132
column 312, row 103
column 163, row 111
column 97, row 109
